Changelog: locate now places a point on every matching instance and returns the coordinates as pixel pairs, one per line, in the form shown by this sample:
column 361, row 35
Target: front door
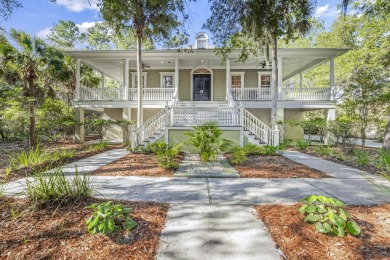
column 202, row 87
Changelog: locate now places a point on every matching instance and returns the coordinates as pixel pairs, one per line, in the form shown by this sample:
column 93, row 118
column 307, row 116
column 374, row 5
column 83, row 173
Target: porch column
column 280, row 74
column 332, row 91
column 330, row 115
column 177, row 78
column 102, row 84
column 300, row 84
column 126, row 115
column 126, row 80
column 228, row 77
column 78, row 79
column 80, row 131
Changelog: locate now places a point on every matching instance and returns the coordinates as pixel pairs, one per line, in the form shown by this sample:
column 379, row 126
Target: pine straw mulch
column 259, row 166
column 60, row 233
column 136, row 164
column 81, row 152
column 299, row 240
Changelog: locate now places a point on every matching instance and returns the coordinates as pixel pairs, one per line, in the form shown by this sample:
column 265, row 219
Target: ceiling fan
column 263, row 64
column 144, row 65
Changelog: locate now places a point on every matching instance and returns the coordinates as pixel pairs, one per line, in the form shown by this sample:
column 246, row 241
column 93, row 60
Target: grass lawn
column 299, row 240
column 59, row 232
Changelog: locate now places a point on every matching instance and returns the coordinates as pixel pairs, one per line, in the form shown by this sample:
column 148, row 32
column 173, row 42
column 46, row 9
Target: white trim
column 262, row 73
column 237, row 73
column 134, row 74
column 172, row 74
column 211, row 81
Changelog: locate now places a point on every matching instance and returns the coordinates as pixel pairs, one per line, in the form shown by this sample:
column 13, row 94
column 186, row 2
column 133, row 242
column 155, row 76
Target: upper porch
column 200, row 75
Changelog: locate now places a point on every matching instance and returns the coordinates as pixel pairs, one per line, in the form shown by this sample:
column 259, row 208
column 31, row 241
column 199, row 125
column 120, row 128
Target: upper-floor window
column 201, row 41
column 167, row 79
column 264, row 80
column 134, row 80
column 237, row 79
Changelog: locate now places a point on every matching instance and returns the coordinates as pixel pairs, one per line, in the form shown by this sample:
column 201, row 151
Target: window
column 264, row 80
column 167, row 80
column 135, row 81
column 237, row 79
column 201, row 41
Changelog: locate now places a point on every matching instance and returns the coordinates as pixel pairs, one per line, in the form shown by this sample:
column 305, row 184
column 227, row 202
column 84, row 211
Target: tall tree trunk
column 274, row 78
column 386, row 140
column 139, row 82
column 31, row 107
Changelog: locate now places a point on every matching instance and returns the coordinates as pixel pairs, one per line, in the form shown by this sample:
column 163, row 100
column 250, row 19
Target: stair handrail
column 257, row 127
column 148, row 128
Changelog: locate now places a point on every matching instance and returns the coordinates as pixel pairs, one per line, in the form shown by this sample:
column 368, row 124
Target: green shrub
column 103, row 145
column 302, row 145
column 166, row 155
column 55, row 188
column 329, row 216
column 362, row 157
column 109, row 218
column 324, row 150
column 207, row 141
column 252, row 149
column 270, row 150
column 63, row 154
column 239, row 155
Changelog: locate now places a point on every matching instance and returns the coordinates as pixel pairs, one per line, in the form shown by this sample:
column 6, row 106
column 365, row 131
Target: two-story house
column 185, row 88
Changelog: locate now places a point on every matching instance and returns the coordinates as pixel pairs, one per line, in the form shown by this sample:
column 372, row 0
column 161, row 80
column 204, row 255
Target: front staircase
column 185, row 114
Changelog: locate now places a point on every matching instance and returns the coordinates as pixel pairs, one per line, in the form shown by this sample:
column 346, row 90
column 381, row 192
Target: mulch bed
column 299, row 240
column 259, row 166
column 136, row 164
column 82, row 152
column 60, row 232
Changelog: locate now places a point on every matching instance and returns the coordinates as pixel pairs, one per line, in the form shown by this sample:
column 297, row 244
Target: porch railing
column 97, row 94
column 305, row 94
column 251, row 94
column 286, row 93
column 149, row 128
column 190, row 116
column 153, row 93
column 257, row 127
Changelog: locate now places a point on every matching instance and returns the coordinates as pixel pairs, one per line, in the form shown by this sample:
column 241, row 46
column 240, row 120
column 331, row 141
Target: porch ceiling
column 112, row 62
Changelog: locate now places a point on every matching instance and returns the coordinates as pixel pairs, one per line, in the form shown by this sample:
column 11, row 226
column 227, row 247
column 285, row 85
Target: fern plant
column 207, row 141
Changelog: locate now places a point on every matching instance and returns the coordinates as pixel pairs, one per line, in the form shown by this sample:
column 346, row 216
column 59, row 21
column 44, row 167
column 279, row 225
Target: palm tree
column 33, row 58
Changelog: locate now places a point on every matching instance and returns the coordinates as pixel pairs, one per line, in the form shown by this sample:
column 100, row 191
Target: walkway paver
column 192, row 167
column 215, row 232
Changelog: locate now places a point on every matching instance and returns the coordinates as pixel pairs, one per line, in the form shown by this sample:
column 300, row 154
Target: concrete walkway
column 213, row 218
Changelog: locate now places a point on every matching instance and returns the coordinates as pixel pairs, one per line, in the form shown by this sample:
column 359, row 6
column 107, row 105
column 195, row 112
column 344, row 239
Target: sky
column 38, row 16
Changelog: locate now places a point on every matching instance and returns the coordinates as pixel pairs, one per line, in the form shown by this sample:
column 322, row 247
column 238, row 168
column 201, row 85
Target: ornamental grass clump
column 108, row 218
column 48, row 188
column 328, row 215
column 362, row 157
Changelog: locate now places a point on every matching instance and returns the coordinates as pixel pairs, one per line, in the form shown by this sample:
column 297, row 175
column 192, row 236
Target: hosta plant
column 328, row 215
column 108, row 218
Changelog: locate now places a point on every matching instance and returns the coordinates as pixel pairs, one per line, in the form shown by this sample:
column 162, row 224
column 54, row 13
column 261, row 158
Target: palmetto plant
column 207, row 141
column 31, row 58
